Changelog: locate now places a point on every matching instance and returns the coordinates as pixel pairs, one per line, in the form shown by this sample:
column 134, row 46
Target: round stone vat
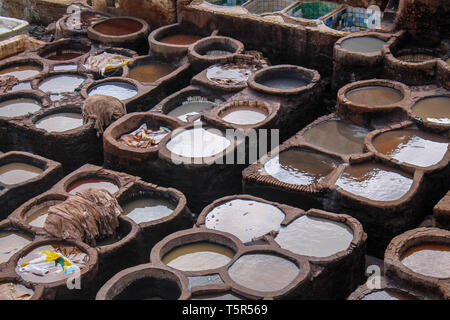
column 334, row 135
column 212, row 50
column 432, row 111
column 12, row 240
column 63, row 127
column 94, row 181
column 283, row 80
column 127, row 32
column 13, row 289
column 32, row 214
column 62, row 84
column 199, row 154
column 124, row 89
column 388, row 290
column 84, row 264
column 173, row 41
column 20, row 105
column 361, row 101
column 66, row 50
column 124, row 151
column 358, row 56
column 420, row 258
column 158, row 211
column 145, row 282
column 196, row 252
column 78, row 22
column 23, row 69
column 23, row 176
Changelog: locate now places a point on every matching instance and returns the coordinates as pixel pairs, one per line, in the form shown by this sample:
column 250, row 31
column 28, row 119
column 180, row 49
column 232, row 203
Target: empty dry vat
column 24, row 175
column 420, row 259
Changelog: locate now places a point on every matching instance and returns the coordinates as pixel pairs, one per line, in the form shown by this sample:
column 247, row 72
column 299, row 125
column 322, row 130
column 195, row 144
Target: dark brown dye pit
column 374, row 95
column 21, row 72
column 148, row 209
column 198, row 256
column 412, row 146
column 375, row 182
column 93, row 183
column 388, row 294
column 151, row 72
column 118, row 27
column 181, row 39
column 337, row 136
column 364, row 44
column 434, row 109
column 53, row 271
column 300, row 167
column 10, row 243
column 431, row 260
column 18, row 172
column 64, row 56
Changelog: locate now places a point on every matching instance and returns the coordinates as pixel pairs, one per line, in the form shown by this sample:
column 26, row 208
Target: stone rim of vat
column 73, row 32
column 22, row 61
column 88, row 80
column 82, row 46
column 142, row 189
column 300, row 137
column 166, row 155
column 423, row 121
column 48, row 167
column 415, row 175
column 404, row 165
column 9, row 225
column 344, row 104
column 104, row 38
column 385, row 283
column 252, row 173
column 129, row 123
column 291, row 214
column 33, row 94
column 167, row 49
column 18, row 216
column 360, row 58
column 191, row 236
column 38, row 289
column 87, row 275
column 312, row 76
column 395, row 269
column 270, row 111
column 121, row 280
column 180, row 64
column 68, row 108
column 140, row 88
column 131, row 234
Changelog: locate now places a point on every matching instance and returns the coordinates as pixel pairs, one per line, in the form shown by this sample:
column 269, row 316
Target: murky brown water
column 60, row 122
column 284, row 83
column 316, row 237
column 388, row 294
column 61, row 83
column 375, row 181
column 11, row 242
column 363, row 44
column 36, row 216
column 434, row 109
column 21, row 72
column 198, row 256
column 181, row 39
column 148, row 209
column 246, row 219
column 374, row 95
column 412, row 146
column 151, row 72
column 118, row 27
column 263, row 272
column 18, row 172
column 430, row 259
column 244, row 115
column 14, row 291
column 300, row 167
column 337, row 136
column 93, row 183
column 18, row 107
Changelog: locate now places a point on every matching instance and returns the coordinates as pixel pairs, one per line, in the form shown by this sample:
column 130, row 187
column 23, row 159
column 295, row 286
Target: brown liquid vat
column 23, row 69
column 64, row 51
column 351, row 100
column 404, row 245
column 432, row 110
column 13, row 195
column 88, row 17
